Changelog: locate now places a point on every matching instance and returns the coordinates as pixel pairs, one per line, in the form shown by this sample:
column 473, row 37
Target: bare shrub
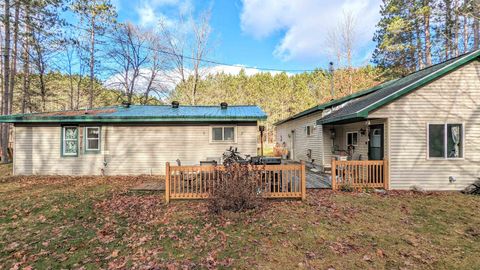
column 236, row 189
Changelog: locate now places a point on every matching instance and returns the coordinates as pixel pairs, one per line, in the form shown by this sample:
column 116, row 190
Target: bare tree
column 187, row 51
column 333, row 43
column 348, row 35
column 137, row 59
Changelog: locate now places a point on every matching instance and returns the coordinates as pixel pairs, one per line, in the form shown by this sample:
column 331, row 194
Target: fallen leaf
column 115, row 253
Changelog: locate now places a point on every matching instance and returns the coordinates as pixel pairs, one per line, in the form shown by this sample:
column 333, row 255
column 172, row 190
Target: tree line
column 280, row 95
column 49, row 63
column 413, row 34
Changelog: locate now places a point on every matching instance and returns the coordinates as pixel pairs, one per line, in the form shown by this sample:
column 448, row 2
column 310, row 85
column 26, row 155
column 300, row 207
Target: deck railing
column 360, row 174
column 195, row 182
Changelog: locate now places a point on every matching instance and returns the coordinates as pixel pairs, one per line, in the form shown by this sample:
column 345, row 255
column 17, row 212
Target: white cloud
column 233, row 70
column 304, row 24
column 150, row 12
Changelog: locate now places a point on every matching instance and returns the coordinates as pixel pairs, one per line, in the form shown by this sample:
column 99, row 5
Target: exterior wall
column 125, row 149
column 361, row 150
column 452, row 98
column 301, row 141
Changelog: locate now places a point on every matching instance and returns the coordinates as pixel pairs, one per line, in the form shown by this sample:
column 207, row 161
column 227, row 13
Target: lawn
column 69, row 222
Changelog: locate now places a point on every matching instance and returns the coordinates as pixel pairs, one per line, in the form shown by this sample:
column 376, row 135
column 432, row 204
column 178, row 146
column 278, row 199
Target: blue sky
column 280, row 34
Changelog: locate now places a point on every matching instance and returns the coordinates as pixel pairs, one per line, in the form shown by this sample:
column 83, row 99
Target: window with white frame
column 223, row 134
column 92, row 139
column 309, row 130
column 352, row 138
column 70, row 141
column 445, row 141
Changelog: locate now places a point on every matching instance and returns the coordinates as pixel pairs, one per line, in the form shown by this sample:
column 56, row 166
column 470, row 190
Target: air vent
column 224, row 105
column 175, row 104
column 126, row 104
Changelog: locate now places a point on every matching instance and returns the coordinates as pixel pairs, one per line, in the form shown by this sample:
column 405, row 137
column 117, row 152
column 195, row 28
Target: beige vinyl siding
column 454, row 98
column 362, row 144
column 301, row 141
column 126, row 149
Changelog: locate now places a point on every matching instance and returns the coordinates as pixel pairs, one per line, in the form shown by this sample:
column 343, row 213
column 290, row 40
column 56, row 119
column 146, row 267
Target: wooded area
column 91, row 59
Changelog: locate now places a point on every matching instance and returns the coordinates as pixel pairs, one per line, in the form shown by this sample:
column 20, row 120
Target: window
column 352, row 138
column 223, row 134
column 69, row 141
column 309, row 130
column 445, row 141
column 92, row 139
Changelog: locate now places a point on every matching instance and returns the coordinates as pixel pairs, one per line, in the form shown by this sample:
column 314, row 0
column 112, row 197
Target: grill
column 260, row 160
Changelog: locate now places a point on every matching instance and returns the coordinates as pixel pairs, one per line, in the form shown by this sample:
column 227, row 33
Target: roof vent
column 126, row 104
column 175, row 104
column 224, row 105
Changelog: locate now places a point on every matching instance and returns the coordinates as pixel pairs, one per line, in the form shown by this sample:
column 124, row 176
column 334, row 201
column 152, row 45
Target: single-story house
column 426, row 125
column 129, row 139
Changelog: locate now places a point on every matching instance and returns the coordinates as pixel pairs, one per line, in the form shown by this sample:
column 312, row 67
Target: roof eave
column 350, row 118
column 6, row 119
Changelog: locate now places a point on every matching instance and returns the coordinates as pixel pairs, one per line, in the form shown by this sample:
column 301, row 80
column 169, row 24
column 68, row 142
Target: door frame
column 382, row 139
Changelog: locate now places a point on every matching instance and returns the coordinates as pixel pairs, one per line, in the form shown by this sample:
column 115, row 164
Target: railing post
column 167, row 183
column 304, row 181
column 334, row 174
column 386, row 177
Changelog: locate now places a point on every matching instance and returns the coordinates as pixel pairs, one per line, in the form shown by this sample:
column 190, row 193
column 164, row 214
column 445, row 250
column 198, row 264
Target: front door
column 376, row 143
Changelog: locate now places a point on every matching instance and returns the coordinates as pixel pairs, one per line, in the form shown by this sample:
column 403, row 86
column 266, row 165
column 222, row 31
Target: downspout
column 105, row 150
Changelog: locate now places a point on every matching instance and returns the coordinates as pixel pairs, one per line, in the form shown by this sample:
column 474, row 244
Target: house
column 129, row 140
column 425, row 126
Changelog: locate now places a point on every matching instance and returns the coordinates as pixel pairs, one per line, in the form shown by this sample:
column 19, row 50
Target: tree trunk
column 426, row 29
column 456, row 30
column 6, row 77
column 13, row 71
column 26, row 60
column 419, row 46
column 92, row 62
column 476, row 25
column 465, row 34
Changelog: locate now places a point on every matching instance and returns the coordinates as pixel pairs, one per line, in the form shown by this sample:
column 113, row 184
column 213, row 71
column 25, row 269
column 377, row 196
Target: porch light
column 332, row 133
column 363, row 131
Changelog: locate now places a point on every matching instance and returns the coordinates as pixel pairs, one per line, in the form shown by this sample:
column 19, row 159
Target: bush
column 236, row 189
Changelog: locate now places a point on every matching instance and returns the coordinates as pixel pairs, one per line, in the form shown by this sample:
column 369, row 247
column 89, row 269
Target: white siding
column 452, row 98
column 302, row 142
column 127, row 150
column 362, row 145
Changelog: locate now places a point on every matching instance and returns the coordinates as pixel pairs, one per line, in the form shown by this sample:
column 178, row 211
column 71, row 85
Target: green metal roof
column 143, row 113
column 358, row 108
column 334, row 102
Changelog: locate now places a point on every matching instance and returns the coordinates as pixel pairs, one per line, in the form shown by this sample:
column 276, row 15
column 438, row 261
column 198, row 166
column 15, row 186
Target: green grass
column 96, row 222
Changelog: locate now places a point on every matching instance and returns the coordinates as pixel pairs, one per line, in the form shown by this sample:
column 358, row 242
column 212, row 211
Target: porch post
column 304, row 181
column 334, row 174
column 386, row 177
column 167, row 183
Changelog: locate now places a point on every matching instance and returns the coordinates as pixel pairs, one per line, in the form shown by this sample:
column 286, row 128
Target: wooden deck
column 314, row 180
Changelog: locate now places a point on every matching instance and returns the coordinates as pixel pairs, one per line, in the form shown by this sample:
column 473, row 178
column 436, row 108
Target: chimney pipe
column 175, row 104
column 224, row 105
column 332, row 86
